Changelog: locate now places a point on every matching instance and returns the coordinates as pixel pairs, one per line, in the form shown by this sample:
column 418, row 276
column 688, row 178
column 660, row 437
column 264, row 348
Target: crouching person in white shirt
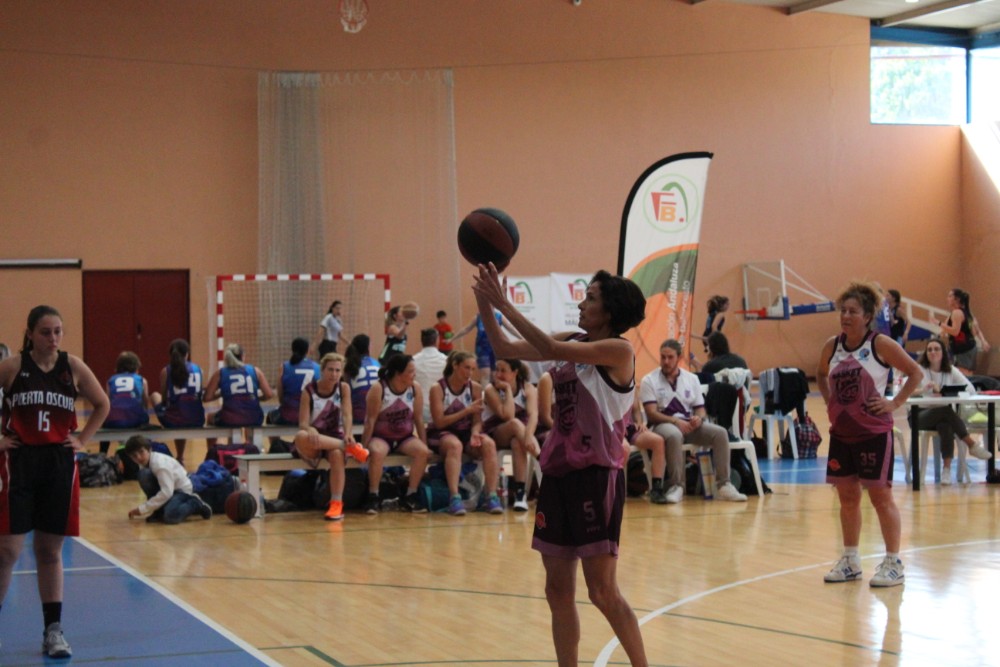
column 170, row 495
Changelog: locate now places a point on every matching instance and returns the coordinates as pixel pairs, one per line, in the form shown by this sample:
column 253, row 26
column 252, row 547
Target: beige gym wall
column 129, row 139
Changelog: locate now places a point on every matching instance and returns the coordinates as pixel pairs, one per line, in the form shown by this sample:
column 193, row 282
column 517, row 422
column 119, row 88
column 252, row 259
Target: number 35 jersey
column 40, row 408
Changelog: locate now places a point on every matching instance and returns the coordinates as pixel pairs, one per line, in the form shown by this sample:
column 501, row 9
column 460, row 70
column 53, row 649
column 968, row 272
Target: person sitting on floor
column 170, row 497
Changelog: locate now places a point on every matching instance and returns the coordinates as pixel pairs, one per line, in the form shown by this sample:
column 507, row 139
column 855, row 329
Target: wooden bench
column 254, row 434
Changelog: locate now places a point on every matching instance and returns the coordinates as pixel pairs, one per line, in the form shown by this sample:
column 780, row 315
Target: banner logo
column 577, row 290
column 520, row 293
column 671, row 203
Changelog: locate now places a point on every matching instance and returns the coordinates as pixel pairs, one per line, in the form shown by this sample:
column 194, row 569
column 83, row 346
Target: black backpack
column 636, row 482
column 739, row 465
column 97, row 470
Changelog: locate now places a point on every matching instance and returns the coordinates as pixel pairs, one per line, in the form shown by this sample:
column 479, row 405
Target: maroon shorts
column 870, row 460
column 580, row 514
column 40, row 490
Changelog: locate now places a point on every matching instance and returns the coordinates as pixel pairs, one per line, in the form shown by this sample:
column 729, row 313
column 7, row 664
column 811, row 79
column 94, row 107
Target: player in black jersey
column 39, row 482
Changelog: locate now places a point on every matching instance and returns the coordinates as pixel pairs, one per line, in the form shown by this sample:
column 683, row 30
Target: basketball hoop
column 353, row 15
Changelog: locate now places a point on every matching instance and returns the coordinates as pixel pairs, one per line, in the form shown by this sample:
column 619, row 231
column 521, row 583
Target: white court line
column 252, row 650
column 72, row 569
column 609, row 648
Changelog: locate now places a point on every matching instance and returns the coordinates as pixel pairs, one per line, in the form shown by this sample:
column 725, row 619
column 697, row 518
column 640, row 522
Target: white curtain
column 357, row 169
column 291, row 180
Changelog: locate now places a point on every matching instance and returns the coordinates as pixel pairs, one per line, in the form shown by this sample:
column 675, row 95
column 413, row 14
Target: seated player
column 326, row 427
column 510, row 417
column 181, row 384
column 640, row 437
column 130, row 397
column 456, row 410
column 241, row 387
column 296, row 374
column 394, row 422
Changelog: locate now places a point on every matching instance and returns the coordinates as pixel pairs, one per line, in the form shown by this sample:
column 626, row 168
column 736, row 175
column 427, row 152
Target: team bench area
column 250, row 467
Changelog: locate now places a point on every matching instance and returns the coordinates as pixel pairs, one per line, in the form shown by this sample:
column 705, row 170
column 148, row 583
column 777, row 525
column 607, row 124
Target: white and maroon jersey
column 325, row 413
column 589, row 424
column 40, row 408
column 490, row 418
column 395, row 415
column 679, row 398
column 855, row 376
column 454, row 402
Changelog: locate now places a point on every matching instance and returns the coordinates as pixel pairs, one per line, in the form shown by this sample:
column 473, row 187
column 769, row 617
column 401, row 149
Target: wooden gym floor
column 713, row 583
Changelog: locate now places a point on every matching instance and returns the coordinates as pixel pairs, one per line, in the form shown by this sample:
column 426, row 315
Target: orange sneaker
column 336, row 511
column 357, row 451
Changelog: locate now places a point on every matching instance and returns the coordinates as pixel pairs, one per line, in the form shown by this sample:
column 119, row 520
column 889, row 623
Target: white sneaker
column 521, row 505
column 946, row 476
column 728, row 492
column 845, row 569
column 675, row 494
column 980, row 452
column 889, row 573
column 54, row 644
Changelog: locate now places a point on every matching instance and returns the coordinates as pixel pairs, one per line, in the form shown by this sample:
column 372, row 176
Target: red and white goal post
column 265, row 312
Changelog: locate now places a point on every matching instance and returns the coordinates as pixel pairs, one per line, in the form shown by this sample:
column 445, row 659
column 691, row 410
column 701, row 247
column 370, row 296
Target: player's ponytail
column 179, row 352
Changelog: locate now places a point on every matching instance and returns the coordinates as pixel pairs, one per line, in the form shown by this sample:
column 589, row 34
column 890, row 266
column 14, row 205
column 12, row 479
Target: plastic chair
column 775, row 424
column 903, row 450
column 962, row 474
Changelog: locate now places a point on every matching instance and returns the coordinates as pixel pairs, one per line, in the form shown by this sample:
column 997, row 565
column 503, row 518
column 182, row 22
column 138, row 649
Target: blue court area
column 813, row 471
column 111, row 615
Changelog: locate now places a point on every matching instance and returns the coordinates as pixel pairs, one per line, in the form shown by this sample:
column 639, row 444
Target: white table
column 916, row 403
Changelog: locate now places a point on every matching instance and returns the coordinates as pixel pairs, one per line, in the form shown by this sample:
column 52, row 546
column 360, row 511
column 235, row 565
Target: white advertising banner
column 658, row 249
column 530, row 295
column 550, row 302
column 567, row 291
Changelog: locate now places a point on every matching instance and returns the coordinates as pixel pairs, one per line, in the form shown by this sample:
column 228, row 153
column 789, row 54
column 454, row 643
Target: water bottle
column 707, row 469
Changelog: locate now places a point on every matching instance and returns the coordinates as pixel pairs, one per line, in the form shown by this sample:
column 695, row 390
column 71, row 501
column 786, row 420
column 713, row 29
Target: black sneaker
column 205, row 510
column 411, row 503
column 373, row 504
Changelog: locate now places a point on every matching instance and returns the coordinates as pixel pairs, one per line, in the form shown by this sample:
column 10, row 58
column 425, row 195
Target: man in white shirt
column 675, row 409
column 429, row 363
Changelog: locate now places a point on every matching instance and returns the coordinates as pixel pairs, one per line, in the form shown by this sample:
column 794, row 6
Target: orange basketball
column 409, row 310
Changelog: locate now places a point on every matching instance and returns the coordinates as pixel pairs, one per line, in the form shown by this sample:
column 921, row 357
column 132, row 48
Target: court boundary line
column 170, row 596
column 605, row 655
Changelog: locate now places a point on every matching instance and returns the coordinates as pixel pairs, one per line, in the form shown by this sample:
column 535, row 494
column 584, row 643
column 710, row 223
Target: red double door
column 139, row 311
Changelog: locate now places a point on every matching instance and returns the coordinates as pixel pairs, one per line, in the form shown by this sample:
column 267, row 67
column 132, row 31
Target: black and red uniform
column 39, row 483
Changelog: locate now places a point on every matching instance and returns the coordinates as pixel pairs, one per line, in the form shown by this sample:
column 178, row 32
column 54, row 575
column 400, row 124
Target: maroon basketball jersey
column 40, row 408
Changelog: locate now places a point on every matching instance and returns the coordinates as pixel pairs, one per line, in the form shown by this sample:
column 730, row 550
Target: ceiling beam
column 808, row 6
column 927, row 10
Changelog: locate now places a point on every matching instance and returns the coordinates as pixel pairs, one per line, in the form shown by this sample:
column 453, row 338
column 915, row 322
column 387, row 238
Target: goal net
column 264, row 313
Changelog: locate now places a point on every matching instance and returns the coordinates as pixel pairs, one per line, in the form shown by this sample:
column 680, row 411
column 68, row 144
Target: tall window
column 919, row 85
column 985, row 88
